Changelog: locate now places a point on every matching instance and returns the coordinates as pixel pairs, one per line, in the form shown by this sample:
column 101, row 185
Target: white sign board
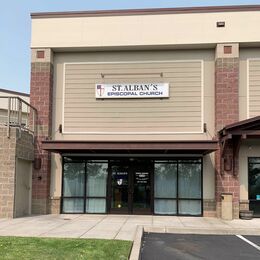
column 135, row 90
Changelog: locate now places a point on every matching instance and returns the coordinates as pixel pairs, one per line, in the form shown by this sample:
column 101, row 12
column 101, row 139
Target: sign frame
column 132, row 90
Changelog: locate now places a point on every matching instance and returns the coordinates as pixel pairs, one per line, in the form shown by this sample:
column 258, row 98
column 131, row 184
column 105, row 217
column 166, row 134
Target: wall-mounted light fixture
column 37, row 163
column 228, row 163
column 60, row 128
column 205, row 128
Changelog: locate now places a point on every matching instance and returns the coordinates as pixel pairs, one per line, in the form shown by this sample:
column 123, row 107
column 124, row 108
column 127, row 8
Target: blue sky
column 15, row 29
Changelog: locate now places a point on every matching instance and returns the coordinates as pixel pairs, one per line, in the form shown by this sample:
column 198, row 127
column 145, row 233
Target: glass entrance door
column 119, row 188
column 130, row 187
column 254, row 185
column 142, row 171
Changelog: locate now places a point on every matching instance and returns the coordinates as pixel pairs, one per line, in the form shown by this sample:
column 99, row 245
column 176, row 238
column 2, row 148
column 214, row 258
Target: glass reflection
column 142, row 189
column 189, row 180
column 119, row 187
column 254, row 185
column 96, row 186
column 165, row 180
column 74, row 178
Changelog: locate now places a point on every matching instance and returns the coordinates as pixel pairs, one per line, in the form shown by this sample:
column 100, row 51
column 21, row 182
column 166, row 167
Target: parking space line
column 249, row 242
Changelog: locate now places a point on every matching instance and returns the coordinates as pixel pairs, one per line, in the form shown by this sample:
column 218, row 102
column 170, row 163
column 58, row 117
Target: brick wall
column 41, row 99
column 209, row 208
column 19, row 145
column 226, row 112
column 226, row 91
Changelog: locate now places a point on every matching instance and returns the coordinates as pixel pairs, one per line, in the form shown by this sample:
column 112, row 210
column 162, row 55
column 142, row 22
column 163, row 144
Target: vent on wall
column 227, row 49
column 40, row 54
column 221, row 24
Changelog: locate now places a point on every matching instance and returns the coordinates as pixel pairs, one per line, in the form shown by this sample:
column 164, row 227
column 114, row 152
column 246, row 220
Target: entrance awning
column 231, row 136
column 123, row 147
column 249, row 128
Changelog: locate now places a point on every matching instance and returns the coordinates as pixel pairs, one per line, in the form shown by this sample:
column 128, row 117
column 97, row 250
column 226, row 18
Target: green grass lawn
column 55, row 248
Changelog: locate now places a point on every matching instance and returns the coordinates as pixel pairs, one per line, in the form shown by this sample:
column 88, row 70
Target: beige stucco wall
column 244, row 55
column 249, row 148
column 209, row 176
column 56, row 176
column 145, row 30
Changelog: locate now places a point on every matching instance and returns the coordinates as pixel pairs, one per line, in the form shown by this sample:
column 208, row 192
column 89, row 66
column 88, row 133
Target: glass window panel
column 255, row 206
column 96, row 179
column 254, row 181
column 165, row 180
column 74, row 178
column 164, row 161
column 73, row 206
column 73, row 159
column 189, row 180
column 195, row 160
column 254, row 160
column 96, row 206
column 190, row 207
column 165, row 207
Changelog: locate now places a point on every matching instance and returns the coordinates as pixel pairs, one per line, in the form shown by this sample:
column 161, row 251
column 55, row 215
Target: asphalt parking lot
column 192, row 247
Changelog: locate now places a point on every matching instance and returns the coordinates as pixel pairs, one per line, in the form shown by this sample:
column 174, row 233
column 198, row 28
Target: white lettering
column 136, row 90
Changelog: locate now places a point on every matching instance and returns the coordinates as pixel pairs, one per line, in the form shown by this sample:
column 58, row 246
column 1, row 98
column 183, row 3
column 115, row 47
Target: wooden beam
column 236, row 147
column 245, row 132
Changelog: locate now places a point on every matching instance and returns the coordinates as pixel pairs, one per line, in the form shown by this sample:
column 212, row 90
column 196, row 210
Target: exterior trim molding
column 247, row 88
column 243, row 125
column 203, row 146
column 152, row 11
column 64, row 132
column 14, row 92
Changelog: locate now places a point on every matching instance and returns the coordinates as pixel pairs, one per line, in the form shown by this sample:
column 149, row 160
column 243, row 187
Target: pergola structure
column 230, row 138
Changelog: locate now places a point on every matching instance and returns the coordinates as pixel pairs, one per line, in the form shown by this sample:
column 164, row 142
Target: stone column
column 41, row 99
column 226, row 112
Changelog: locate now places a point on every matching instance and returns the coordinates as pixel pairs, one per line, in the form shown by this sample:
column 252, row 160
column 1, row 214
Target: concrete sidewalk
column 121, row 227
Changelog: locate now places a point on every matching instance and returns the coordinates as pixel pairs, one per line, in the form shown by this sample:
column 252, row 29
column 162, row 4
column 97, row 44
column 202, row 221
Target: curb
column 205, row 231
column 136, row 249
column 137, row 244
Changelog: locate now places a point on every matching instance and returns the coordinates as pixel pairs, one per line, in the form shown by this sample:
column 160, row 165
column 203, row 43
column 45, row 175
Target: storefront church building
column 148, row 111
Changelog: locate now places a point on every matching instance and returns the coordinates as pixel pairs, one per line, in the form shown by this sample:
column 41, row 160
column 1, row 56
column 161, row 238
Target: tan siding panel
column 134, row 65
column 126, row 129
column 181, row 85
column 129, row 80
column 101, row 125
column 254, row 88
column 174, row 99
column 136, row 120
column 171, row 116
column 176, row 94
column 125, row 75
column 181, row 112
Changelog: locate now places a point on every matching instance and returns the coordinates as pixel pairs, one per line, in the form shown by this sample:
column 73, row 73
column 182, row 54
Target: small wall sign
column 142, row 177
column 133, row 90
